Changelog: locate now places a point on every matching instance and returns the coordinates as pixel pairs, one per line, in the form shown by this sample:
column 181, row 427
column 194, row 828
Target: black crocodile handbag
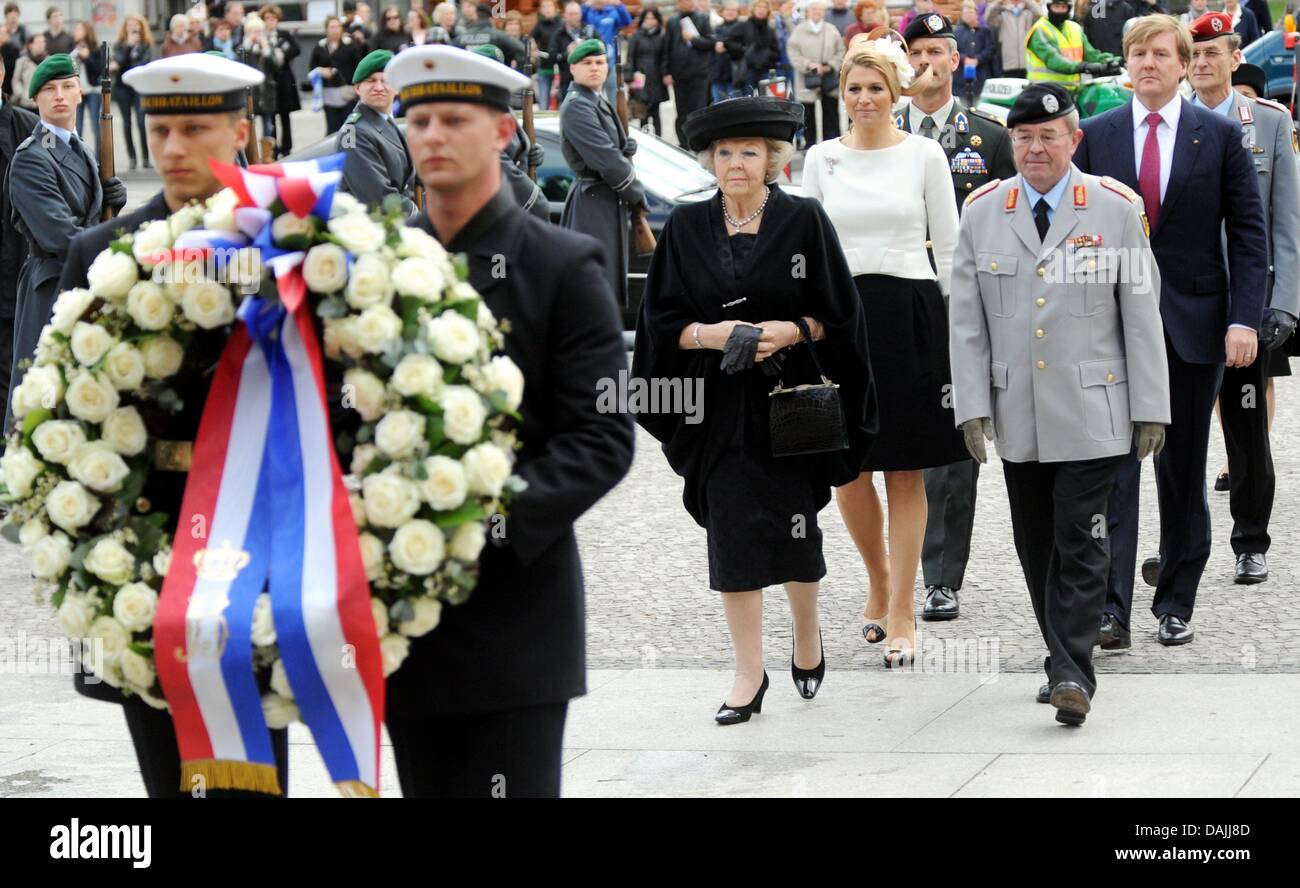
column 807, row 418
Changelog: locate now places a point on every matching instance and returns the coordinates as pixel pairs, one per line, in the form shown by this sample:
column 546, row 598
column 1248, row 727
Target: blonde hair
column 779, row 153
column 1146, row 28
column 864, row 56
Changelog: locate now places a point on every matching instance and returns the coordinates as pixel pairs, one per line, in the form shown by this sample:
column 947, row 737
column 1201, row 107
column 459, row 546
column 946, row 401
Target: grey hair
column 1072, row 121
column 779, row 153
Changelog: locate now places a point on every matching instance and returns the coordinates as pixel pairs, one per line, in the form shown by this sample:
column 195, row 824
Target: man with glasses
column 1058, row 352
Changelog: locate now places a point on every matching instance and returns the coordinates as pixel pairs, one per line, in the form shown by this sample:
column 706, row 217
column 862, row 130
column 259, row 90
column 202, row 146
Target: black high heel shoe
column 734, row 715
column 807, row 681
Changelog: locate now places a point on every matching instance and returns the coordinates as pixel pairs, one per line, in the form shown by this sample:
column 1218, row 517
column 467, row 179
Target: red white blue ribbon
column 265, row 508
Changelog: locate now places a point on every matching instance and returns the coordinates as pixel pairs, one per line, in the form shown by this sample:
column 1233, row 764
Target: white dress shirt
column 1165, row 133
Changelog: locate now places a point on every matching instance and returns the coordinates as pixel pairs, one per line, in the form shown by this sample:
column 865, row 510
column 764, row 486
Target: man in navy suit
column 1196, row 177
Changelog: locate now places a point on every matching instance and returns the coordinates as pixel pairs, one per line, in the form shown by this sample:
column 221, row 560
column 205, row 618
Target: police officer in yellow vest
column 1058, row 51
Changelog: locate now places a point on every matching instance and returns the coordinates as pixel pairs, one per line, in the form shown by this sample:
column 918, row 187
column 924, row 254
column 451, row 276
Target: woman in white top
column 884, row 190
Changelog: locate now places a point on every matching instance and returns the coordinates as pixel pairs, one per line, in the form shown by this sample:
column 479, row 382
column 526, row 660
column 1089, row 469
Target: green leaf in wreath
column 468, row 511
column 435, row 431
column 133, row 486
column 426, row 405
column 364, row 434
column 452, row 375
column 79, row 554
column 143, row 648
column 32, row 420
column 122, row 245
column 408, row 308
column 402, row 611
column 465, row 307
column 461, row 264
column 59, row 594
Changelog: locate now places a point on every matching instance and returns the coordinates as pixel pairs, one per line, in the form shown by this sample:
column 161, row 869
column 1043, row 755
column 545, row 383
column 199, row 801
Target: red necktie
column 1149, row 175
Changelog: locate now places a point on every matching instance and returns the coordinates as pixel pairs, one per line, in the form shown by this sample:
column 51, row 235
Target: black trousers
column 830, row 120
column 1243, row 408
column 6, row 351
column 335, row 118
column 689, row 95
column 154, row 736
column 1058, row 521
column 513, row 753
column 1180, row 487
column 950, row 497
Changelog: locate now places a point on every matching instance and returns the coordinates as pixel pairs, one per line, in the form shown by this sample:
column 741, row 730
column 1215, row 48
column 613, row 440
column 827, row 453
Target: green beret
column 371, row 63
column 55, row 67
column 489, row 50
column 582, row 49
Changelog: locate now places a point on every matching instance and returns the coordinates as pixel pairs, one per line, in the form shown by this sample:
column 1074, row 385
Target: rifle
column 643, row 239
column 258, row 150
column 528, row 101
column 106, row 170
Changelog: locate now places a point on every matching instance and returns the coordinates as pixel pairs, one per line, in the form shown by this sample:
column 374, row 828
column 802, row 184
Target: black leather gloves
column 114, row 193
column 741, row 347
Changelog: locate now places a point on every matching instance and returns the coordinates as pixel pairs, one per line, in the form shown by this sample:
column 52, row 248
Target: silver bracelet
column 696, row 334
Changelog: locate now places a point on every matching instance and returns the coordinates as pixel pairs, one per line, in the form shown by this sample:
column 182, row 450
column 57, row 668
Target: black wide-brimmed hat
column 748, row 117
column 1252, row 76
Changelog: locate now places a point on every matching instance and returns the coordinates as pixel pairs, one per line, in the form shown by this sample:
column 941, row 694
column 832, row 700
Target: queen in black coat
column 760, row 511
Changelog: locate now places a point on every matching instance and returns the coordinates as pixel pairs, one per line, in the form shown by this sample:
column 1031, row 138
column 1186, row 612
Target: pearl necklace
column 767, row 192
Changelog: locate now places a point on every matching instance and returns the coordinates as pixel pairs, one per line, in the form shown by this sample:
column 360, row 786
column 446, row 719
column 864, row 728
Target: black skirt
column 907, row 328
column 761, row 521
column 1279, row 361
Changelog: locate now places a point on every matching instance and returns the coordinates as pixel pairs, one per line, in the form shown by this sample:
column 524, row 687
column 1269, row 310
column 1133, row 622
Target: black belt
column 34, row 250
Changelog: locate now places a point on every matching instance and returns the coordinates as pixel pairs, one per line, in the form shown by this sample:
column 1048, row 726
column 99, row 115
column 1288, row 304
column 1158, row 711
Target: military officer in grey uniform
column 378, row 162
column 1242, row 404
column 54, row 193
column 978, row 151
column 1058, row 354
column 600, row 153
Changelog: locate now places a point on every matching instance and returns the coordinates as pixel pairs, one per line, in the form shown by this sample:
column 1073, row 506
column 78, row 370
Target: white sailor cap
column 192, row 83
column 451, row 74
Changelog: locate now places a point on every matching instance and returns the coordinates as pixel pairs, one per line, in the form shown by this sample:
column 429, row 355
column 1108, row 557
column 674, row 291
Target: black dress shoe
column 1222, row 483
column 1045, row 693
column 1151, row 571
column 1071, row 702
column 940, row 604
column 1112, row 636
column 734, row 715
column 1174, row 630
column 1251, row 568
column 807, row 681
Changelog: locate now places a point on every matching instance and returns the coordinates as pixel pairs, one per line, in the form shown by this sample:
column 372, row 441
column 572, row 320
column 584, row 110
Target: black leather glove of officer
column 114, row 193
column 1094, row 68
column 1277, row 328
column 536, row 155
column 740, row 349
column 629, row 149
column 1114, row 66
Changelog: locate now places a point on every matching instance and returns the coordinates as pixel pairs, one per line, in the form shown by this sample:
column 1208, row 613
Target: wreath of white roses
column 431, row 463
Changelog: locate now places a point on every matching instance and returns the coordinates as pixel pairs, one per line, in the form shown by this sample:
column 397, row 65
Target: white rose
column 90, row 398
column 96, row 465
column 358, row 506
column 71, row 506
column 111, row 674
column 341, row 336
column 468, row 541
column 415, row 242
column 463, row 413
column 50, row 556
column 124, row 367
column 417, row 375
column 208, row 304
column 32, row 531
column 278, row 712
column 377, row 327
column 487, row 467
column 372, row 556
column 134, row 606
column 418, row 277
column 454, row 337
column 149, row 306
column 287, row 226
column 74, row 616
column 57, row 439
column 400, row 433
column 111, row 562
column 379, row 611
column 184, row 219
column 391, row 500
column 445, row 487
column 393, row 648
column 369, row 284
column 325, row 269
column 114, row 635
column 344, row 204
column 417, row 547
column 124, row 431
column 162, row 561
column 41, row 387
column 502, row 374
column 162, row 356
column 358, row 234
column 220, row 212
column 112, row 275
column 362, row 456
column 69, row 308
column 137, row 671
column 428, row 611
column 486, row 320
column 366, row 391
column 20, row 468
column 155, row 237
column 263, row 626
column 90, row 342
column 280, row 680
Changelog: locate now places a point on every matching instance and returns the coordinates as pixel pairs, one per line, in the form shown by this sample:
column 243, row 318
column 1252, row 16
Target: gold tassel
column 222, row 774
column 355, row 789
